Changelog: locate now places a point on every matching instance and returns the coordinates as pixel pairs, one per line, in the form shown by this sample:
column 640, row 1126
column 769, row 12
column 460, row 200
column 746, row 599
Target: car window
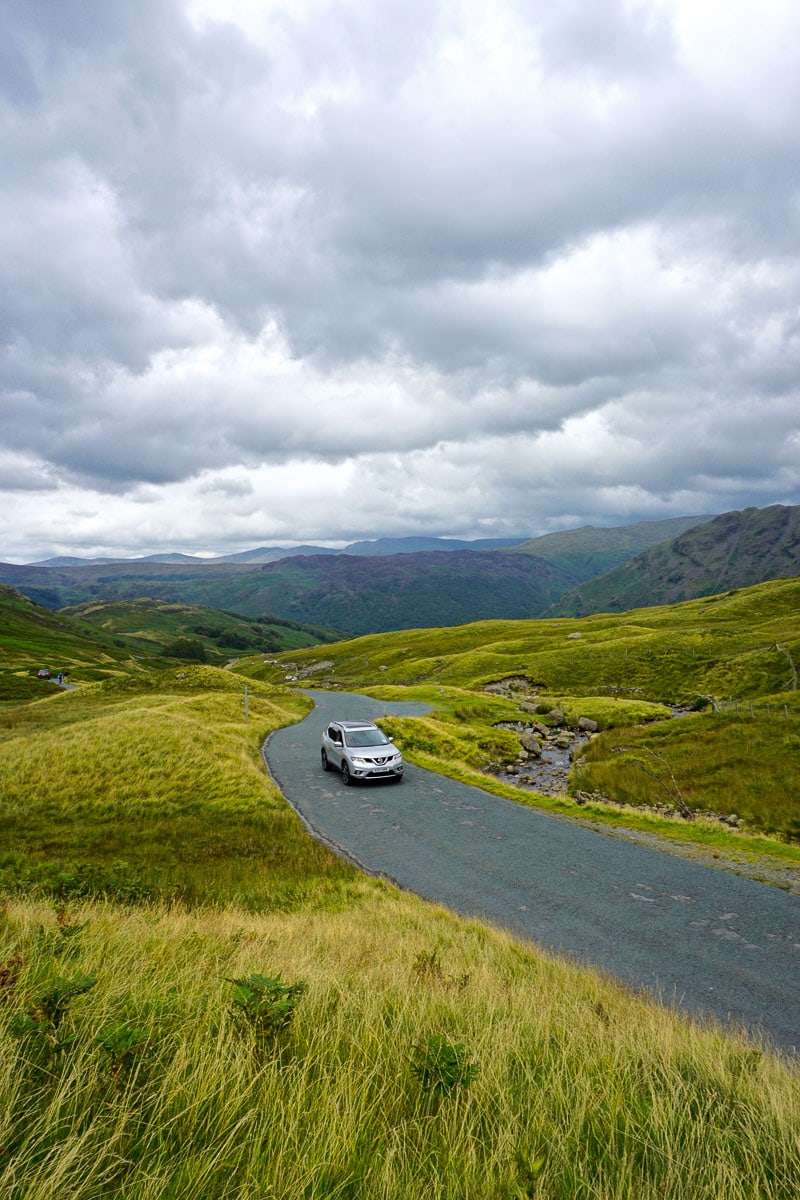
column 366, row 737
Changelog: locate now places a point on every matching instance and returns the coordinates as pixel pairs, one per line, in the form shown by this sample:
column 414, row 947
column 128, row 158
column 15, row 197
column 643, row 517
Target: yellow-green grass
column 148, row 626
column 165, row 776
column 32, row 637
column 723, row 646
column 735, row 763
column 582, row 1090
column 620, row 670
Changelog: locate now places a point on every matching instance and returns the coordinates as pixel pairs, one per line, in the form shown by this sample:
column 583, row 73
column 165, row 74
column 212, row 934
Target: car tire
column 326, row 766
column 347, row 778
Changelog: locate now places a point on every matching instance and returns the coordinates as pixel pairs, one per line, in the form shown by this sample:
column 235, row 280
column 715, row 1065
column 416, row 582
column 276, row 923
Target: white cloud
column 311, row 270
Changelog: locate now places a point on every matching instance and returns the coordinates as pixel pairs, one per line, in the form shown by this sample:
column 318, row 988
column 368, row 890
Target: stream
column 548, row 773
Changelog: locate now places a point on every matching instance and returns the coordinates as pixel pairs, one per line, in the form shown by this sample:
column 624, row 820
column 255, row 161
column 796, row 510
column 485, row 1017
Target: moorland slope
column 734, row 550
column 350, row 593
column 589, row 552
column 199, row 1000
column 396, row 583
column 106, row 640
column 728, row 663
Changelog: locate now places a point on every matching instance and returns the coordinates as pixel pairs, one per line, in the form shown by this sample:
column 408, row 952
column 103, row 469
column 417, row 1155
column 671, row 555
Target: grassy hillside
column 721, row 645
column 734, row 550
column 155, row 626
column 624, row 672
column 406, row 590
column 200, row 1001
column 588, row 552
column 162, row 774
column 32, row 637
column 343, row 592
column 103, row 640
column 347, row 594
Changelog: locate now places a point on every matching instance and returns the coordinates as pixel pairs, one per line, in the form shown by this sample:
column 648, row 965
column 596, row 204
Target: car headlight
column 359, row 762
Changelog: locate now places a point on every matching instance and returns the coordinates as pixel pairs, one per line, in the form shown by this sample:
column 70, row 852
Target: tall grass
column 582, row 1089
column 727, row 762
column 163, row 776
column 148, row 862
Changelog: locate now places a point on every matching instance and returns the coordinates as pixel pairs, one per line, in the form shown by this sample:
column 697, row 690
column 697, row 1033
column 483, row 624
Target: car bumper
column 376, row 772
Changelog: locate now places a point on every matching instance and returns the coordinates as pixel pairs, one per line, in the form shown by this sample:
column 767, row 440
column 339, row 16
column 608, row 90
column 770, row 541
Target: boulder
column 587, row 725
column 532, row 744
column 555, row 716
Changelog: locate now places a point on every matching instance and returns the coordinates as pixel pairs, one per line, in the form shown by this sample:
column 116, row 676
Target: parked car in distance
column 43, row 673
column 360, row 750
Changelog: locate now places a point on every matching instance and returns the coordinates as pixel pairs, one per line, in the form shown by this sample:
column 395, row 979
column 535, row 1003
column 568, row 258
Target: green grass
column 724, row 645
column 580, row 1089
column 94, row 642
column 161, row 774
column 32, row 637
column 148, row 861
column 149, row 626
column 734, row 763
column 621, row 671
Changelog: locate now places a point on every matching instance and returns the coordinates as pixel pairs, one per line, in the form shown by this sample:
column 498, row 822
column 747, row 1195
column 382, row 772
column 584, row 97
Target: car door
column 334, row 747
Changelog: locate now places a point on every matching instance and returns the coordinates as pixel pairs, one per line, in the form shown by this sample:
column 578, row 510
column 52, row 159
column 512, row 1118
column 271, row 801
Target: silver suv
column 360, row 750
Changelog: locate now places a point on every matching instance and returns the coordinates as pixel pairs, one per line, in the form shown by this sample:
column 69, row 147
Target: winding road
column 707, row 941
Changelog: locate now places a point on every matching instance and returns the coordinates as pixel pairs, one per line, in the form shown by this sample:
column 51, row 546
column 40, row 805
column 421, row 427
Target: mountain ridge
column 733, row 550
column 377, row 592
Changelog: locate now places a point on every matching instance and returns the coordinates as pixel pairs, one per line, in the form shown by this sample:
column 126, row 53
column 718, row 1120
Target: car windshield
column 366, row 737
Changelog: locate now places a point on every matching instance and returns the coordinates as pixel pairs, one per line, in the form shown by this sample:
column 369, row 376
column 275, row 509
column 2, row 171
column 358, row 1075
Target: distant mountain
column 66, row 560
column 416, row 545
column 266, row 554
column 349, row 593
column 734, row 550
column 384, row 545
column 172, row 558
column 371, row 594
column 588, row 552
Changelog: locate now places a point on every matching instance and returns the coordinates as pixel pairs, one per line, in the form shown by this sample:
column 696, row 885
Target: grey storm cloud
column 293, row 268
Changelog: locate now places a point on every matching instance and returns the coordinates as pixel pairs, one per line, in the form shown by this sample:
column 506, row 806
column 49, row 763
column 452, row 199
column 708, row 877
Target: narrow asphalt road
column 705, row 940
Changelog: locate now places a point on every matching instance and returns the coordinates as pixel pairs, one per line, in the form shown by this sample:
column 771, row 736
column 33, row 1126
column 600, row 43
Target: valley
column 411, row 583
column 158, row 890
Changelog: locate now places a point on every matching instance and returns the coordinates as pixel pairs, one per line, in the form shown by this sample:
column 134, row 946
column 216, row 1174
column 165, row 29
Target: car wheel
column 325, row 763
column 347, row 779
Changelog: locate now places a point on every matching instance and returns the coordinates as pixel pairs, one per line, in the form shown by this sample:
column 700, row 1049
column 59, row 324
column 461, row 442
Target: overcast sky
column 281, row 271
